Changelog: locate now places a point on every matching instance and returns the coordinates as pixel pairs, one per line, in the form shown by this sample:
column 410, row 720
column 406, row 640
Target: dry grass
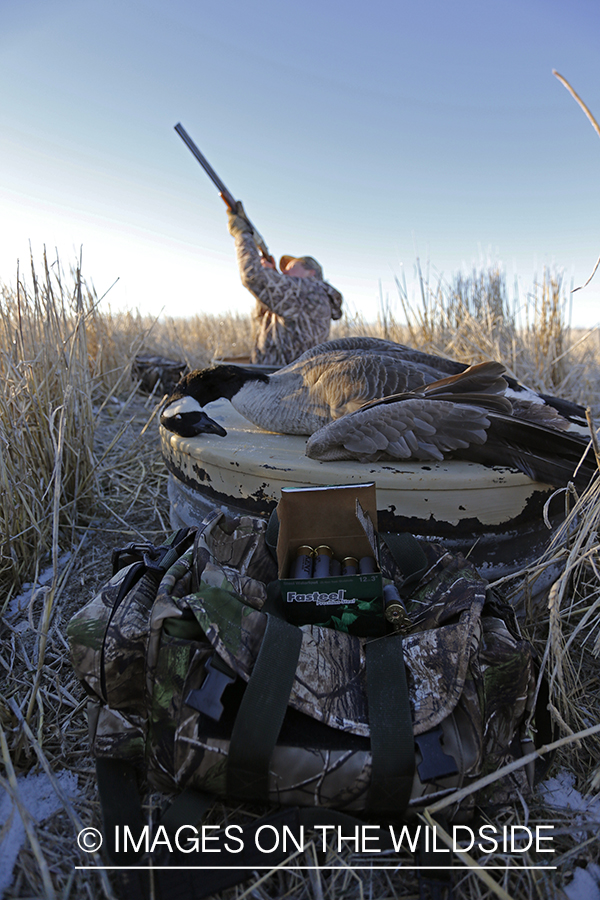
column 47, row 422
column 473, row 319
column 81, row 473
column 194, row 341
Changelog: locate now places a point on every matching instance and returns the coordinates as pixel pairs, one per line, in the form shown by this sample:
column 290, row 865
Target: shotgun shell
column 394, row 608
column 366, row 565
column 323, row 555
column 303, row 564
column 350, row 566
column 335, row 567
column 391, row 595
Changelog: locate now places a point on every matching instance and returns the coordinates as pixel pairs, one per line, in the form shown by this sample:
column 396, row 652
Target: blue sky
column 366, row 135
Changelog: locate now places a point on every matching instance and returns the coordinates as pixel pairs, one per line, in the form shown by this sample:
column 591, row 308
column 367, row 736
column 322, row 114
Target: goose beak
column 187, row 419
column 191, row 424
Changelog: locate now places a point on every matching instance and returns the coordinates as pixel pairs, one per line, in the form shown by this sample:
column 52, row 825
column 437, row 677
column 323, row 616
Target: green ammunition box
column 344, row 518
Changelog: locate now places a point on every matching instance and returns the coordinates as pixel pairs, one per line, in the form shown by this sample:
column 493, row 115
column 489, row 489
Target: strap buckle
column 207, row 698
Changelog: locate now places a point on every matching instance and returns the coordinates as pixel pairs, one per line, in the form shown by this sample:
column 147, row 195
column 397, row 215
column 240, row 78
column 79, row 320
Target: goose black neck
column 225, row 381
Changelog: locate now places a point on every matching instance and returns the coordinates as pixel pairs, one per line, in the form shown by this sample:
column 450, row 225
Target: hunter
column 294, row 307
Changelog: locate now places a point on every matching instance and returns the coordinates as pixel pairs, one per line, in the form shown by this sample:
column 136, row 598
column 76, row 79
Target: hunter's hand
column 237, row 221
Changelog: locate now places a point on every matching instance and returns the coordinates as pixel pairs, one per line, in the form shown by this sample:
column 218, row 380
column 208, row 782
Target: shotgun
column 226, row 196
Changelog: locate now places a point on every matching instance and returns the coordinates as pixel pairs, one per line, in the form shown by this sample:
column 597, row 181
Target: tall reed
column 46, row 419
column 472, row 318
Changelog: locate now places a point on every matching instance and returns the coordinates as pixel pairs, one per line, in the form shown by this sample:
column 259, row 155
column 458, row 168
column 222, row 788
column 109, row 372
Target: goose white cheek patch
column 180, row 407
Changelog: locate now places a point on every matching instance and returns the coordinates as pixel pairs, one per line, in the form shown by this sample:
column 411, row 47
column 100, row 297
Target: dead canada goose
column 369, row 399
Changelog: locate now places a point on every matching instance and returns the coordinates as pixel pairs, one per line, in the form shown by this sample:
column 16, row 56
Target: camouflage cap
column 307, row 261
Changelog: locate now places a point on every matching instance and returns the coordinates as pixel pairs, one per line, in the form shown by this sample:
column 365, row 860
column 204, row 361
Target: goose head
column 183, row 411
column 191, row 422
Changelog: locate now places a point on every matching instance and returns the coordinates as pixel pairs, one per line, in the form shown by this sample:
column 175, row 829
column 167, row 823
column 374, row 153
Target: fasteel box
column 341, row 517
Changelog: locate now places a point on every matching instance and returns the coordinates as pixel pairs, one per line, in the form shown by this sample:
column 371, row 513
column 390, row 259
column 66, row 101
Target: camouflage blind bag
column 196, row 680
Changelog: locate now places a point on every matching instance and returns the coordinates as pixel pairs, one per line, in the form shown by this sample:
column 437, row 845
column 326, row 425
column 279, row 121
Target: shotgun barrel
column 227, row 197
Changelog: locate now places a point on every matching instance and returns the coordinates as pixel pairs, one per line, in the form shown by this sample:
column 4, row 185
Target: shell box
column 342, row 517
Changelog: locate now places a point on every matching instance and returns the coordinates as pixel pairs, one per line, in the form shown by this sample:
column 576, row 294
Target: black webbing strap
column 121, row 807
column 188, row 808
column 408, row 555
column 390, row 722
column 262, row 710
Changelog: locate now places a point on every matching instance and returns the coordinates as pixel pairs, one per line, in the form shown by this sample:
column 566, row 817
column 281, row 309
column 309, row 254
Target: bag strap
column 390, row 723
column 188, row 808
column 262, row 710
column 407, row 553
column 164, row 555
column 120, row 804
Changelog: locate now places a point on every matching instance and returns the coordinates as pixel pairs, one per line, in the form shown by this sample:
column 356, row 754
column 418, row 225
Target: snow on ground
column 20, row 603
column 560, row 793
column 41, row 801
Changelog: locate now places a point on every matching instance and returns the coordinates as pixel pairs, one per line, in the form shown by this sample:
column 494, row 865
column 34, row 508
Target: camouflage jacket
column 140, row 655
column 291, row 314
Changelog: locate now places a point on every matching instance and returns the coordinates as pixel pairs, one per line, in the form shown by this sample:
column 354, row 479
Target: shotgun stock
column 226, row 196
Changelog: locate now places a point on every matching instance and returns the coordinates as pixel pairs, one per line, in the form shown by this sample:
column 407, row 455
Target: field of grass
column 81, row 473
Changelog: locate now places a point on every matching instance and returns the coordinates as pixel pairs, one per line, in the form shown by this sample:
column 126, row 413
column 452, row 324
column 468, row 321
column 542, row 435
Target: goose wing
column 470, row 426
column 413, row 428
column 437, row 365
column 343, row 380
column 544, row 454
column 479, row 384
column 483, row 378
